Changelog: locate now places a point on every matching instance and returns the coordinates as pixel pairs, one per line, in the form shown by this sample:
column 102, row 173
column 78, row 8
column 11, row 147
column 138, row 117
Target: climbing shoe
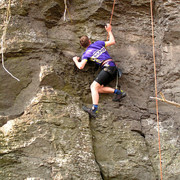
column 118, row 97
column 90, row 111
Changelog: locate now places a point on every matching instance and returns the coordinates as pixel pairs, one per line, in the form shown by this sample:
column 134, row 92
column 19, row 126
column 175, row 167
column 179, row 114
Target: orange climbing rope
column 111, row 16
column 155, row 75
column 112, row 12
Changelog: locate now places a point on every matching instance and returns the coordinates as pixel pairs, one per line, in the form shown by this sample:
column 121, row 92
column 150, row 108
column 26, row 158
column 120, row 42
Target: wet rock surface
column 44, row 134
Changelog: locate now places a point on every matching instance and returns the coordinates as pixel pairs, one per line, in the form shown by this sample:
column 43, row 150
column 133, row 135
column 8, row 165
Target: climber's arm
column 79, row 64
column 111, row 40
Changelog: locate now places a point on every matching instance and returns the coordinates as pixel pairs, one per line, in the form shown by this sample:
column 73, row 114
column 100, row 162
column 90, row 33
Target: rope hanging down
column 157, row 111
column 22, row 2
column 8, row 17
column 112, row 12
column 108, row 38
column 66, row 9
column 111, row 16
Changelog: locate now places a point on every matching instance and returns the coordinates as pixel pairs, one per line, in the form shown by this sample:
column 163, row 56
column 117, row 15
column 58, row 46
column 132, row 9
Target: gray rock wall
column 44, row 134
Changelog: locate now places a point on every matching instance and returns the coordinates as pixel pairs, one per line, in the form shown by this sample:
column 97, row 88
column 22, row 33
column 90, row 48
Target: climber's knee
column 95, row 86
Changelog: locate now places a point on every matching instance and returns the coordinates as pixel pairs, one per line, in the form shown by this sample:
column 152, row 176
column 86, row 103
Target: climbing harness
column 104, row 62
column 8, row 17
column 155, row 78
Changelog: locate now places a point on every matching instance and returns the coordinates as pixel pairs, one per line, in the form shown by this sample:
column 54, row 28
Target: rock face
column 44, row 134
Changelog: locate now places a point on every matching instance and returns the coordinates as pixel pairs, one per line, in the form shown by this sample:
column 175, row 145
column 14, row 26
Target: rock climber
column 97, row 53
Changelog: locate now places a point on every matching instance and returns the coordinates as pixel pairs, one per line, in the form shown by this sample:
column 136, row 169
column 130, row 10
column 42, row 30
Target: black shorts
column 106, row 75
